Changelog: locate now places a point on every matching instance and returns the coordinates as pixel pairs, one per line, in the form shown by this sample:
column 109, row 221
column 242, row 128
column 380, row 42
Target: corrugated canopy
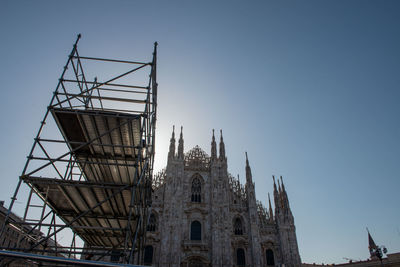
column 105, row 146
column 106, row 224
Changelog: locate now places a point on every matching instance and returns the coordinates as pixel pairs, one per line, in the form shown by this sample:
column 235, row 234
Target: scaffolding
column 89, row 171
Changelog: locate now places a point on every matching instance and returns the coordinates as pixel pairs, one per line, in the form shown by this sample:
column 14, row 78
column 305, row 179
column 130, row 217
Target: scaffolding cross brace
column 89, row 171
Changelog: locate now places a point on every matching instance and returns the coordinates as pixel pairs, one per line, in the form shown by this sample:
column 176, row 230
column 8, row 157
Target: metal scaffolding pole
column 90, row 167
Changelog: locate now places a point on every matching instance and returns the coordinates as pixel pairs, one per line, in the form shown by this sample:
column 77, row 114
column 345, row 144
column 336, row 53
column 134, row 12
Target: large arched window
column 195, row 230
column 240, row 257
column 196, row 190
column 238, row 227
column 148, row 255
column 151, row 226
column 270, row 257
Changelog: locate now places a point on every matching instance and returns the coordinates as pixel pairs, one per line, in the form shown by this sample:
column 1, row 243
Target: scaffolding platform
column 105, row 145
column 89, row 172
column 106, row 225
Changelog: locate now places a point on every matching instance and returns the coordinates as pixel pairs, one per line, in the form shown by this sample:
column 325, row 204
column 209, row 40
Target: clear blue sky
column 310, row 89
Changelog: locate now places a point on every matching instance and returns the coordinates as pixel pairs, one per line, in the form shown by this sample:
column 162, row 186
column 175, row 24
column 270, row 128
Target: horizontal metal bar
column 96, row 112
column 130, row 111
column 74, row 251
column 77, row 226
column 104, row 216
column 103, row 83
column 121, row 111
column 90, row 156
column 83, row 161
column 52, row 259
column 109, row 84
column 102, row 235
column 52, row 181
column 118, row 99
column 122, row 91
column 77, row 250
column 80, row 143
column 113, row 60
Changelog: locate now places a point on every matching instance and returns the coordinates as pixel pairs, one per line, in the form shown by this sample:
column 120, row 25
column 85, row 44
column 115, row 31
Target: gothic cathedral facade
column 202, row 216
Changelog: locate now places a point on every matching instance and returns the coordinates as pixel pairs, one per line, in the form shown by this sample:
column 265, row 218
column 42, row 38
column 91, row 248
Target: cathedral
column 202, row 216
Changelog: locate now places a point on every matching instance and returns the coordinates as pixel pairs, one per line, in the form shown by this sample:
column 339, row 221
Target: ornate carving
column 223, row 200
column 239, row 193
column 262, row 214
column 197, row 159
column 158, row 179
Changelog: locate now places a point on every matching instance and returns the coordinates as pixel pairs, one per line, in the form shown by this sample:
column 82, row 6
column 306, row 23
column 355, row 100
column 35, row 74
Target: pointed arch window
column 196, row 190
column 270, row 257
column 151, row 226
column 240, row 257
column 195, row 230
column 148, row 255
column 238, row 227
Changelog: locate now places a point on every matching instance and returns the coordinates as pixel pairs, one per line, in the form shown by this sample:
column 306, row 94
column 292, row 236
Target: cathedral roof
column 196, row 152
column 197, row 158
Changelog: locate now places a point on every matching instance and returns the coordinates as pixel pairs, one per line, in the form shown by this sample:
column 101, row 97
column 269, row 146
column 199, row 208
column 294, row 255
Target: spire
column 221, row 148
column 271, row 215
column 371, row 245
column 276, row 197
column 285, row 199
column 281, row 196
column 283, row 186
column 213, row 147
column 279, row 188
column 171, row 153
column 275, row 190
column 249, row 178
column 180, row 145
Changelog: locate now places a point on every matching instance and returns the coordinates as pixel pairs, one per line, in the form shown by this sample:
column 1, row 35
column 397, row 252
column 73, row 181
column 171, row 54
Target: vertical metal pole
column 72, row 246
column 43, row 209
column 43, row 122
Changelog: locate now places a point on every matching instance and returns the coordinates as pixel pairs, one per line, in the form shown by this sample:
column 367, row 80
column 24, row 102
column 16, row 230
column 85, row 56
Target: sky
column 310, row 89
